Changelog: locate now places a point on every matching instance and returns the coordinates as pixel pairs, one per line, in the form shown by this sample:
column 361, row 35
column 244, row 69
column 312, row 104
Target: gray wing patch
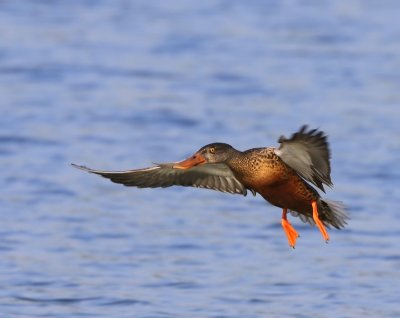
column 307, row 152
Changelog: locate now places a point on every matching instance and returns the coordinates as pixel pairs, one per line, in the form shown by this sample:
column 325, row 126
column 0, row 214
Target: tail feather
column 331, row 213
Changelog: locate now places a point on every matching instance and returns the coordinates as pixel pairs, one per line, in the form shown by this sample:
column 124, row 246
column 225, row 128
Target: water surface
column 122, row 84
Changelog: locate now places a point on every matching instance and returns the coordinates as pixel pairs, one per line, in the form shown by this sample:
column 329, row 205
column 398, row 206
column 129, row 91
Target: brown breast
column 262, row 170
column 259, row 167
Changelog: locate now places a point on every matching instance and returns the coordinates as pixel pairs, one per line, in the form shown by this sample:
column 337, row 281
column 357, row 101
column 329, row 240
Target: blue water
column 122, row 84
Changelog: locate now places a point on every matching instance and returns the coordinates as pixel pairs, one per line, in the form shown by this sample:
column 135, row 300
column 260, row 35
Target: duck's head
column 212, row 153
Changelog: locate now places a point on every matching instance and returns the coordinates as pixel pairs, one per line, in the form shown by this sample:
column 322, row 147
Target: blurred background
column 121, row 84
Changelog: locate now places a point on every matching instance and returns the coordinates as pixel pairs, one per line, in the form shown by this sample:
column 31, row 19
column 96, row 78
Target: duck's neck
column 235, row 159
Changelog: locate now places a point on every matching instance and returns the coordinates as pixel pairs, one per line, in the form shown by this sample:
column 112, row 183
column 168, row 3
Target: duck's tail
column 331, row 213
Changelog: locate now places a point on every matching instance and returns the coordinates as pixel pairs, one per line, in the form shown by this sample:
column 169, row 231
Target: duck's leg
column 290, row 232
column 318, row 222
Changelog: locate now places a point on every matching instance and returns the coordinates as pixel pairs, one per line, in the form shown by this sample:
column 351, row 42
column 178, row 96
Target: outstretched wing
column 307, row 152
column 216, row 176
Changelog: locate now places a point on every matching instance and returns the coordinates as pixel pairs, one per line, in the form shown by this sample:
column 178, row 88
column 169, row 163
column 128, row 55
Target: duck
column 286, row 176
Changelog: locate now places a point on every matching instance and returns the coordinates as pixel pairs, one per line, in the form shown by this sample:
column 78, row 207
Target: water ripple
column 61, row 301
column 124, row 83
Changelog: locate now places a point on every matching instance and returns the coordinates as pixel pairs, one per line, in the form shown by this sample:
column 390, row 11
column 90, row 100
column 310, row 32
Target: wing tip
column 81, row 167
column 304, row 131
column 282, row 139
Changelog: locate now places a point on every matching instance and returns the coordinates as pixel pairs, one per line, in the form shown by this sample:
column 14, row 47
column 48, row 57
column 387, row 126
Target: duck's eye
column 212, row 150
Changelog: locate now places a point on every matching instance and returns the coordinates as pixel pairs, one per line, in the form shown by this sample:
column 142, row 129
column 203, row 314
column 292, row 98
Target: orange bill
column 190, row 162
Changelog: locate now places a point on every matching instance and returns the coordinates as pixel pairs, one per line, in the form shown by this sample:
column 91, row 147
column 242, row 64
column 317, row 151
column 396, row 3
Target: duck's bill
column 190, row 162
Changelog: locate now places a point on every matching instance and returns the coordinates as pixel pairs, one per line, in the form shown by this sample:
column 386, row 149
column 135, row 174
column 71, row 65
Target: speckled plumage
column 261, row 170
column 282, row 176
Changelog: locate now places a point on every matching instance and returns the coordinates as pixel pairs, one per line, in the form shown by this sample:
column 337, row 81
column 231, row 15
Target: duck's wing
column 216, row 176
column 307, row 152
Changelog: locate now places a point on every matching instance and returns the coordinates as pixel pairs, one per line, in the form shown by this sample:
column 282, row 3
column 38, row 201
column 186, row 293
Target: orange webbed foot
column 290, row 232
column 318, row 222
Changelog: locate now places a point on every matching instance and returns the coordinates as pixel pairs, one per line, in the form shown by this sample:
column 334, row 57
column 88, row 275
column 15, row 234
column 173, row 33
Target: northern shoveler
column 282, row 176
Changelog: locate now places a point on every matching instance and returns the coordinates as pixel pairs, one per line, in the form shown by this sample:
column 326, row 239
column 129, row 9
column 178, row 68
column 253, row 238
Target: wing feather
column 307, row 152
column 216, row 176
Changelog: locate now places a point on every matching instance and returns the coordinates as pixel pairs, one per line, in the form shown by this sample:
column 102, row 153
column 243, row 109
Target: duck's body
column 278, row 175
column 261, row 170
